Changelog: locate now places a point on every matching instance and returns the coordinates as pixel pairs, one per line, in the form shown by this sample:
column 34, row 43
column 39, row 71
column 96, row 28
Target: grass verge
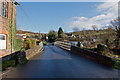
column 5, row 64
column 117, row 63
column 11, row 63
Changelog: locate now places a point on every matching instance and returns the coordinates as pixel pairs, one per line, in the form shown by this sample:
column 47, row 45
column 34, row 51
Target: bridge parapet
column 64, row 44
column 67, row 45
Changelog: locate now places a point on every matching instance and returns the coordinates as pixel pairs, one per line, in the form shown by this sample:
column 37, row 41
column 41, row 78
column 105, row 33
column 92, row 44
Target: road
column 55, row 62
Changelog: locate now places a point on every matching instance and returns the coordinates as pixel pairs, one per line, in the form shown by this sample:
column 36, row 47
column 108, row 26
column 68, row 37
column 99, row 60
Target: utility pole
column 39, row 35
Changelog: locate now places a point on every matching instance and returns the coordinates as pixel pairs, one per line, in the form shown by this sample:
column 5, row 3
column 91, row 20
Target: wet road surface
column 55, row 62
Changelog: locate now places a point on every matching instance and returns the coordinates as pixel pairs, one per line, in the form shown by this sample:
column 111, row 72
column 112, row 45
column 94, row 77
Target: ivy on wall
column 14, row 32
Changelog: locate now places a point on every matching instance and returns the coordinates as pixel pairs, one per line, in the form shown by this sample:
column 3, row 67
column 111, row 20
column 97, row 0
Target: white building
column 71, row 35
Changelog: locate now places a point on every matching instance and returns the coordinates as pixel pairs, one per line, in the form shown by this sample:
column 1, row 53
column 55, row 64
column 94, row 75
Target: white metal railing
column 64, row 44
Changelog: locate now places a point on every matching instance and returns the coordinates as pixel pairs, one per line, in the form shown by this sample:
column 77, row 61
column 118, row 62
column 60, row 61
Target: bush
column 27, row 44
column 19, row 44
column 45, row 43
column 33, row 42
column 117, row 63
column 10, row 63
column 78, row 44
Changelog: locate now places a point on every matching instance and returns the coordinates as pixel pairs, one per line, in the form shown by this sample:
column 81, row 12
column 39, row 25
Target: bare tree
column 116, row 25
column 94, row 27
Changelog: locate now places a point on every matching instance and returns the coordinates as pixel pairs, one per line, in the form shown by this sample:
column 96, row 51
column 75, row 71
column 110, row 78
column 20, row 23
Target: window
column 2, row 41
column 4, row 8
column 2, row 37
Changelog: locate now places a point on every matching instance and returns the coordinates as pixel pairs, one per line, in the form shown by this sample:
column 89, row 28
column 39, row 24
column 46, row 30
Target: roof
column 69, row 34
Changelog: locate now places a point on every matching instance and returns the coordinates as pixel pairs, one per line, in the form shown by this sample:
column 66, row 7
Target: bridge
column 55, row 62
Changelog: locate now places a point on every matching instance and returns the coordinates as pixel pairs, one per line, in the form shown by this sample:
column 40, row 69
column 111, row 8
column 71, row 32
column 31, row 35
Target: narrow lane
column 55, row 62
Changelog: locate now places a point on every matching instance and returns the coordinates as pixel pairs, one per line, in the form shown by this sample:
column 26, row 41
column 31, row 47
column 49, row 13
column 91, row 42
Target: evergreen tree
column 60, row 33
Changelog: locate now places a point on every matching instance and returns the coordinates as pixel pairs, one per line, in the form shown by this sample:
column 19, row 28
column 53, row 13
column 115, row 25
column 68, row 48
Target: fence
column 64, row 44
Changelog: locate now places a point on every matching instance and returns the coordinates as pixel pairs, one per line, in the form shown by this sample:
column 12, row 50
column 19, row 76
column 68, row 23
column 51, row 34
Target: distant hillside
column 93, row 32
column 24, row 32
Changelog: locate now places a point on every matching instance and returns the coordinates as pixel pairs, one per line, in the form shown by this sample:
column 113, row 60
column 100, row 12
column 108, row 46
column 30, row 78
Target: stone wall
column 25, row 54
column 31, row 52
column 93, row 56
column 86, row 53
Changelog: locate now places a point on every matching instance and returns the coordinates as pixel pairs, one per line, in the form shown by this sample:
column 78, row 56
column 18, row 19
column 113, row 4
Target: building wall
column 5, row 24
column 0, row 8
